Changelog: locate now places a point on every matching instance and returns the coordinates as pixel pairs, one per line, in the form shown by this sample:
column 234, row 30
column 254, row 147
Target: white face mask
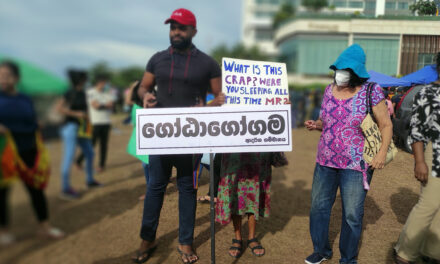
column 342, row 77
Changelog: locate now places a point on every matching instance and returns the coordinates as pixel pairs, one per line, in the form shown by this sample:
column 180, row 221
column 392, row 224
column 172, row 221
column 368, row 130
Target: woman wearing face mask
column 339, row 161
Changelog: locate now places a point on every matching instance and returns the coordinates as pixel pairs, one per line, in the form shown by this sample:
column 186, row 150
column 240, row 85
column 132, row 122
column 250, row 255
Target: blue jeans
column 69, row 135
column 160, row 172
column 326, row 181
column 146, row 172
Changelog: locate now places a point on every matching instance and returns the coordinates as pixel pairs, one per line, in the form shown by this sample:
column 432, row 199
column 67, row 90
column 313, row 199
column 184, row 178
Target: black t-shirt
column 76, row 100
column 182, row 79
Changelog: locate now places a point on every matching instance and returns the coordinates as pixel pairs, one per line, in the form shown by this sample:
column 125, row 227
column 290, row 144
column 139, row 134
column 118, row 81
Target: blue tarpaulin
column 425, row 75
column 386, row 81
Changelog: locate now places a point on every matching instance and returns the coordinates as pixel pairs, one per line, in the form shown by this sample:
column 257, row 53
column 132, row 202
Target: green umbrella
column 37, row 81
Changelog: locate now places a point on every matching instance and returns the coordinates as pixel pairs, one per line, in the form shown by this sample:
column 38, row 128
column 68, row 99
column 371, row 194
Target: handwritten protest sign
column 213, row 130
column 246, row 82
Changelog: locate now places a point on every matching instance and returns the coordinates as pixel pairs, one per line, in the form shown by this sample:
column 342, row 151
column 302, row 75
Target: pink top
column 342, row 141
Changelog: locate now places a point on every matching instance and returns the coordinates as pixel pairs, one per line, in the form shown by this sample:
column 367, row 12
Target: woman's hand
column 80, row 115
column 3, row 129
column 311, row 125
column 378, row 161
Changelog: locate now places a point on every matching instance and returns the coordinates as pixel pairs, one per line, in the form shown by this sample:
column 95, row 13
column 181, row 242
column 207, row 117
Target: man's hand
column 109, row 105
column 219, row 100
column 149, row 100
column 421, row 171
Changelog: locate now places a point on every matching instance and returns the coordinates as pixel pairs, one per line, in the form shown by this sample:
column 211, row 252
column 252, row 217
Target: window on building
column 263, row 34
column 355, row 4
column 261, row 14
column 370, row 5
column 390, row 5
column 402, row 5
column 425, row 59
column 381, row 54
column 339, row 3
column 273, row 2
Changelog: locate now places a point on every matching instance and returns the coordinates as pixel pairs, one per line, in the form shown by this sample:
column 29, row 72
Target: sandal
column 259, row 246
column 52, row 233
column 203, row 199
column 187, row 256
column 239, row 249
column 400, row 260
column 142, row 256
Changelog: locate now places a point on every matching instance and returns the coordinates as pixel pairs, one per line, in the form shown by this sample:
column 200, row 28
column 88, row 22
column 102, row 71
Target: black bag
column 278, row 159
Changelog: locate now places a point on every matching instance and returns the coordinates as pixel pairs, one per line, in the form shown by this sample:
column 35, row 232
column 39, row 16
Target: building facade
column 393, row 47
column 257, row 27
column 257, row 16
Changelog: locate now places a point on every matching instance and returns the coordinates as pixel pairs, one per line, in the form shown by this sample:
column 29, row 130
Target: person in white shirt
column 100, row 101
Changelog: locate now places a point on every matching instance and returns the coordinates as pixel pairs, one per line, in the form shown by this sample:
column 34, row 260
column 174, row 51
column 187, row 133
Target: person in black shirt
column 75, row 131
column 396, row 98
column 182, row 74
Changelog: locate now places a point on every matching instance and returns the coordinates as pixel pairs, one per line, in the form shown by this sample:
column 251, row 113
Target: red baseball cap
column 182, row 16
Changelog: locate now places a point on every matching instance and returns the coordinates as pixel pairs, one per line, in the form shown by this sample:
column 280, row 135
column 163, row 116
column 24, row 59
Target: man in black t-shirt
column 397, row 97
column 183, row 74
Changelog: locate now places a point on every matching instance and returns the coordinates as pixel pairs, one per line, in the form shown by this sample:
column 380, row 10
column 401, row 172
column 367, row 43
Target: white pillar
column 380, row 7
column 399, row 55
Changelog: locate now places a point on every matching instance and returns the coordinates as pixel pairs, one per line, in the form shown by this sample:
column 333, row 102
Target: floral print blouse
column 342, row 141
column 425, row 121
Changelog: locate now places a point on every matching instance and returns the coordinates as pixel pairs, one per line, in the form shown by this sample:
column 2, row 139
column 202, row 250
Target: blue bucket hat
column 352, row 58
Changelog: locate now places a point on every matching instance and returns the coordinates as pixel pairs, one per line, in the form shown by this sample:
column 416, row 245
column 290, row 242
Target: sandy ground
column 103, row 226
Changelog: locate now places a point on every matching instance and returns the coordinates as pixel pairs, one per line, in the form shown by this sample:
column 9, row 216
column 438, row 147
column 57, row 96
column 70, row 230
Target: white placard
column 213, row 130
column 247, row 82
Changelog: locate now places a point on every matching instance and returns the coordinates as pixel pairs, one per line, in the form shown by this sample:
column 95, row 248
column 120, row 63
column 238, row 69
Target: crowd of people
column 181, row 76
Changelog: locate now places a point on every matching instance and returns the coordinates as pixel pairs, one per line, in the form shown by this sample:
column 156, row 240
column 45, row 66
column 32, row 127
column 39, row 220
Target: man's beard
column 182, row 44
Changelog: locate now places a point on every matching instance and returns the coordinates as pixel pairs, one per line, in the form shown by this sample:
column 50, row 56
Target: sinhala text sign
column 213, row 130
column 247, row 82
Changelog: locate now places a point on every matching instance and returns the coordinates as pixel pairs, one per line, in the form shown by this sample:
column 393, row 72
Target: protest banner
column 213, row 130
column 246, row 82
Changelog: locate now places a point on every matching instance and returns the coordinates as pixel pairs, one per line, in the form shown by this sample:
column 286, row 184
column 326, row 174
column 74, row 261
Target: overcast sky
column 55, row 34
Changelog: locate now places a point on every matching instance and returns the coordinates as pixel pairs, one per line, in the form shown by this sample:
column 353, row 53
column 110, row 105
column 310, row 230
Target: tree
column 424, row 7
column 124, row 77
column 314, row 5
column 286, row 12
column 120, row 78
column 239, row 51
column 98, row 69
